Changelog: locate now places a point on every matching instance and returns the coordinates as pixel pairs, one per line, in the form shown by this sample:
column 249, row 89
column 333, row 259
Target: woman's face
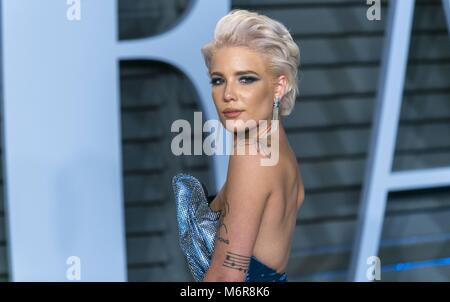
column 241, row 81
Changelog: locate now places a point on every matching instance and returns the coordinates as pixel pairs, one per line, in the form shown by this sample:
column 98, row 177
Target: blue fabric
column 197, row 226
column 259, row 272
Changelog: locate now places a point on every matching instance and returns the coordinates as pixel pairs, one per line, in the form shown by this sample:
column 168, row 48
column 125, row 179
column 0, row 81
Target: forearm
column 212, row 276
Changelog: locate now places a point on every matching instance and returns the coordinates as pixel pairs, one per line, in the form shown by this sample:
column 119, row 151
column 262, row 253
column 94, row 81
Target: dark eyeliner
column 249, row 79
column 213, row 81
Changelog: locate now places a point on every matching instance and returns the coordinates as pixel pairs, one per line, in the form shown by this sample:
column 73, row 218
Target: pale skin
column 258, row 204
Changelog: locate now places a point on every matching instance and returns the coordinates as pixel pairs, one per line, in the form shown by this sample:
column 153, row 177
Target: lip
column 231, row 113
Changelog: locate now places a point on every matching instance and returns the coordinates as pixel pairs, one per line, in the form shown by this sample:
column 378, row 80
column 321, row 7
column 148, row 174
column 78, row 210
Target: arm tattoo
column 237, row 262
column 221, row 239
column 232, row 260
column 222, row 225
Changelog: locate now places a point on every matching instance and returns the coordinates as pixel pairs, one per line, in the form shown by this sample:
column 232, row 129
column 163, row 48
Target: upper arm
column 247, row 192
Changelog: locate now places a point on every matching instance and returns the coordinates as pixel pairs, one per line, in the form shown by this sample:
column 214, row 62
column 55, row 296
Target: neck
column 264, row 132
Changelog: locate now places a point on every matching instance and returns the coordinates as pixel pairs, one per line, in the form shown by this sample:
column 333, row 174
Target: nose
column 229, row 94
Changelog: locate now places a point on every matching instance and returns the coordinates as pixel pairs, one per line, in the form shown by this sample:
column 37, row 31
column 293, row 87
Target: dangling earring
column 274, row 123
column 276, row 107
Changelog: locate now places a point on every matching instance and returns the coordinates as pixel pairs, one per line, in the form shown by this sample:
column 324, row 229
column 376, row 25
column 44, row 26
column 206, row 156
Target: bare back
column 273, row 243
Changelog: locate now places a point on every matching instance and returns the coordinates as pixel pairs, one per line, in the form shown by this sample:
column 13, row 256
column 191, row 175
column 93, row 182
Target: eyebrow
column 240, row 72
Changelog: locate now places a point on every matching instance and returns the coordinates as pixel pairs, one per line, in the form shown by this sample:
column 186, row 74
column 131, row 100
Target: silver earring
column 276, row 107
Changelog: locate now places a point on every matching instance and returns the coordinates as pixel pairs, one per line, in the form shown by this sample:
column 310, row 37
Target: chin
column 239, row 126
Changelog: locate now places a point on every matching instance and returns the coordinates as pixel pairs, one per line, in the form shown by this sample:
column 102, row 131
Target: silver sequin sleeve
column 197, row 223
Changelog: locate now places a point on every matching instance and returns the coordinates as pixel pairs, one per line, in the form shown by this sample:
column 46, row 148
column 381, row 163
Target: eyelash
column 248, row 80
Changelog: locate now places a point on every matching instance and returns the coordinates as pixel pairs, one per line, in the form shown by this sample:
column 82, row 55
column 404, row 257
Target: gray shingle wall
column 149, row 105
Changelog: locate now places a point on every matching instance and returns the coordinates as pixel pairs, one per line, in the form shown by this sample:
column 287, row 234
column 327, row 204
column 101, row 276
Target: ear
column 280, row 85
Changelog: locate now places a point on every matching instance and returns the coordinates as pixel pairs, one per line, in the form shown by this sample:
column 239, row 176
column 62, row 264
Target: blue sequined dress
column 197, row 225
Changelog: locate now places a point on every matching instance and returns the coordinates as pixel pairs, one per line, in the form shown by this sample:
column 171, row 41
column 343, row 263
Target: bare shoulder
column 247, row 176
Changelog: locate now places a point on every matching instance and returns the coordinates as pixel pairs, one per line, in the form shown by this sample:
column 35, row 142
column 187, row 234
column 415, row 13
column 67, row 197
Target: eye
column 216, row 81
column 247, row 79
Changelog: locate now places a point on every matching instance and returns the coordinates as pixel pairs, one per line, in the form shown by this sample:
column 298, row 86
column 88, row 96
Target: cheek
column 259, row 101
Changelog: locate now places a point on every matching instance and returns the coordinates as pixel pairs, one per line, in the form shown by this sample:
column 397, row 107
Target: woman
column 252, row 62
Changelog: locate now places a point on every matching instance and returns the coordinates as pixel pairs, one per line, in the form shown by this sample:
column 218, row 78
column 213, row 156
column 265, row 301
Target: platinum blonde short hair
column 265, row 36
